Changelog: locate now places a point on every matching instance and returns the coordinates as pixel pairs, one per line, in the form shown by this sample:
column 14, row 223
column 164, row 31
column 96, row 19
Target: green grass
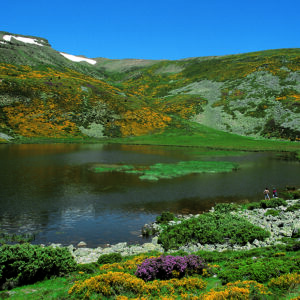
column 201, row 136
column 167, row 171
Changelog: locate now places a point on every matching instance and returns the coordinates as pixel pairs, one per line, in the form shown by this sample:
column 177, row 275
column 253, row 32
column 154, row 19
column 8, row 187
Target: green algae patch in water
column 167, row 171
column 101, row 168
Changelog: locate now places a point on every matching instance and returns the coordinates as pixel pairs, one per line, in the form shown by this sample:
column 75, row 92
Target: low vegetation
column 24, row 264
column 167, row 171
column 272, row 272
column 262, row 273
column 211, row 228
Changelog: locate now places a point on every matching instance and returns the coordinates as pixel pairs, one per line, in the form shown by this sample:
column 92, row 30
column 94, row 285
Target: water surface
column 51, row 190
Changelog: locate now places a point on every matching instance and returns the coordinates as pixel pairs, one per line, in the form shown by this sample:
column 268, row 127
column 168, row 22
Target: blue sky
column 156, row 29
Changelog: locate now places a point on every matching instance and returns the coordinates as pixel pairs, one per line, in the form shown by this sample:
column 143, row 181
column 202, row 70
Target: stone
column 82, row 244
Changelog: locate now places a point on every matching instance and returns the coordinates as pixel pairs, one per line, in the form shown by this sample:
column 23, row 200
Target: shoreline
column 282, row 226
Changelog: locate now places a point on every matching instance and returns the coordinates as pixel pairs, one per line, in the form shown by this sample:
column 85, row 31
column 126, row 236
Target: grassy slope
column 202, row 136
column 138, row 98
column 45, row 96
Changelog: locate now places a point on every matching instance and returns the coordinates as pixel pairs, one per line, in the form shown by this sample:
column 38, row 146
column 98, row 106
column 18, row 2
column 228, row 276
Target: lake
column 50, row 189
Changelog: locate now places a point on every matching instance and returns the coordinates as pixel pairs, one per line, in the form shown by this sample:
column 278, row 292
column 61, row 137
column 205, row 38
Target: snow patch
column 21, row 39
column 78, row 58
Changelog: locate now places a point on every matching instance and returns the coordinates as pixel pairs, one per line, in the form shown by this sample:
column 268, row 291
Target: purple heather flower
column 162, row 267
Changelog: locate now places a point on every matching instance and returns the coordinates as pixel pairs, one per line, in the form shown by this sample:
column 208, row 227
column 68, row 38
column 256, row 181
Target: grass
column 202, row 136
column 167, row 171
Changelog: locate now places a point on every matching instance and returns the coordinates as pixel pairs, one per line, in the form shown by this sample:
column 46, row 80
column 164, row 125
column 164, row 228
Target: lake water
column 50, row 189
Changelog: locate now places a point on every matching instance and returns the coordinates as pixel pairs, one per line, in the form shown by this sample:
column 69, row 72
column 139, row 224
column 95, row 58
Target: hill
column 47, row 93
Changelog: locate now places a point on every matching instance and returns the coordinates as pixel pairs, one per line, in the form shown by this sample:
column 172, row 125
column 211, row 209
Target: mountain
column 47, row 93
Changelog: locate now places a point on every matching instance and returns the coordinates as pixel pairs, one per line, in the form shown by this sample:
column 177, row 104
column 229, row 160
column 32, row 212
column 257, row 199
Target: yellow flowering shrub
column 285, row 282
column 116, row 283
column 236, row 290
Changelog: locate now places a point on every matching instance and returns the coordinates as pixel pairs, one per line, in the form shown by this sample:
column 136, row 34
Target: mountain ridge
column 252, row 94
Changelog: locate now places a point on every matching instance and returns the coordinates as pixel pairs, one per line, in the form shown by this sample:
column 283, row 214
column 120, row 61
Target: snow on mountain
column 78, row 58
column 21, row 39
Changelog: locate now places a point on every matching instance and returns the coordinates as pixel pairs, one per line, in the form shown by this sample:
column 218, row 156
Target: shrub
column 293, row 245
column 272, row 212
column 112, row 284
column 238, row 290
column 109, row 258
column 211, row 228
column 225, row 207
column 166, row 267
column 253, row 205
column 260, row 270
column 25, row 264
column 294, row 207
column 273, row 203
column 165, row 217
column 88, row 268
column 285, row 282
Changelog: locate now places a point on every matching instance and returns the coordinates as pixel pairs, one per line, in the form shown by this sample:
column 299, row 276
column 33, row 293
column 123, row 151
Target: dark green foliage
column 25, row 264
column 258, row 269
column 88, row 268
column 273, row 129
column 294, row 207
column 253, row 205
column 211, row 228
column 273, row 203
column 272, row 212
column 293, row 246
column 165, row 217
column 225, row 207
column 109, row 258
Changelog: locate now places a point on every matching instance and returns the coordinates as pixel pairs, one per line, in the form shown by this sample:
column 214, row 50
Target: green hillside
column 46, row 94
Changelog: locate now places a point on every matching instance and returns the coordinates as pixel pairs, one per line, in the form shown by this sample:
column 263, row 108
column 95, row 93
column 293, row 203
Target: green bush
column 165, row 217
column 258, row 269
column 211, row 228
column 294, row 207
column 284, row 283
column 272, row 212
column 88, row 268
column 253, row 205
column 273, row 203
column 225, row 207
column 109, row 258
column 25, row 264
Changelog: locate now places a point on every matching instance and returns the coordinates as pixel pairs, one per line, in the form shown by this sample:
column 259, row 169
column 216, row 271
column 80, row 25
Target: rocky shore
column 286, row 224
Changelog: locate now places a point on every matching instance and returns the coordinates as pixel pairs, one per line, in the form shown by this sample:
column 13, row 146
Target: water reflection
column 50, row 189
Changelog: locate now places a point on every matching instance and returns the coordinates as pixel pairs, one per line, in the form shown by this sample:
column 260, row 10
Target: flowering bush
column 238, row 290
column 118, row 283
column 166, row 267
column 285, row 282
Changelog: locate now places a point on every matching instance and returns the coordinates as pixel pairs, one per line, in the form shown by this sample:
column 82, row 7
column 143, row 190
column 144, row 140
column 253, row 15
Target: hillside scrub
column 43, row 94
